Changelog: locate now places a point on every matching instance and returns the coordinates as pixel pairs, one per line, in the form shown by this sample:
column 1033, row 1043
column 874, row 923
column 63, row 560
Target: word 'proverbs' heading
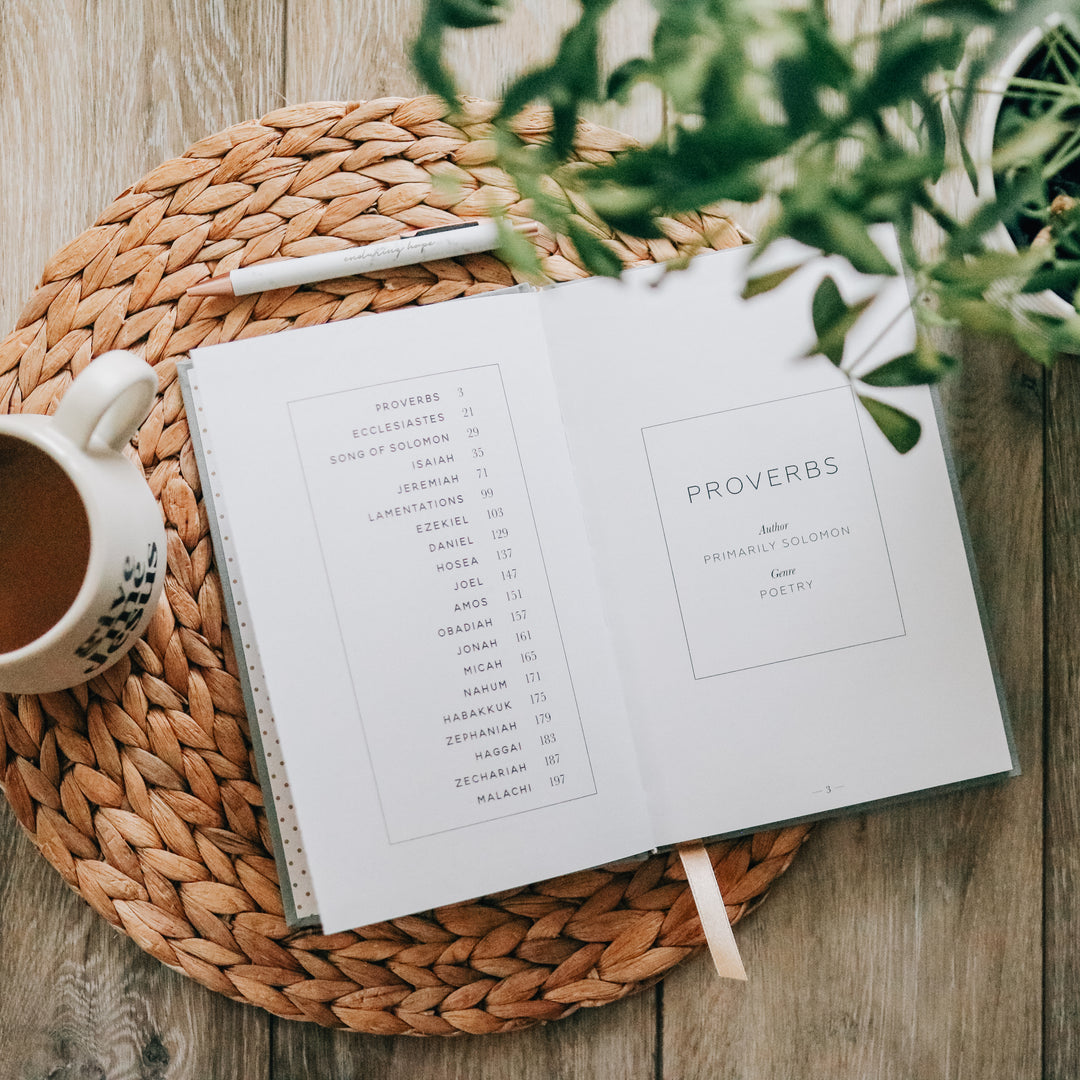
column 777, row 476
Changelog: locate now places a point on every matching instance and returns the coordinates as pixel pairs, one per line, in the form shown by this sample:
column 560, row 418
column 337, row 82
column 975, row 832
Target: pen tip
column 218, row 286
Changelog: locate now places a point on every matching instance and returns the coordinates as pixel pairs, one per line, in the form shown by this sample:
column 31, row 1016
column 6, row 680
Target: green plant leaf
column 1012, row 193
column 971, row 170
column 516, row 249
column 933, row 124
column 625, row 77
column 597, row 256
column 427, row 57
column 896, row 169
column 764, row 283
column 833, row 341
column 529, row 87
column 848, row 236
column 564, row 117
column 626, row 209
column 977, row 315
column 833, row 318
column 907, row 55
column 469, row 14
column 827, row 309
column 798, row 92
column 1062, row 277
column 578, row 63
column 1030, row 141
column 1037, row 340
column 687, row 40
column 1065, row 337
column 817, row 221
column 898, row 427
column 917, row 368
column 978, row 272
column 971, row 12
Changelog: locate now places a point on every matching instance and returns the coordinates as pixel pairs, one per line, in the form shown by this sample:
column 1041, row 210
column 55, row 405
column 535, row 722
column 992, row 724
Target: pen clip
column 437, row 229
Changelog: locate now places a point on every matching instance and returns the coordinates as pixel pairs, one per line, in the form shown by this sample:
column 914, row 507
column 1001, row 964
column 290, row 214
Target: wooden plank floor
column 935, row 940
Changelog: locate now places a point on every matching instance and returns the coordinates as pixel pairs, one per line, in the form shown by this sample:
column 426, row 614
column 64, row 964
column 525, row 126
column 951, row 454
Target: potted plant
column 1037, row 85
column 754, row 83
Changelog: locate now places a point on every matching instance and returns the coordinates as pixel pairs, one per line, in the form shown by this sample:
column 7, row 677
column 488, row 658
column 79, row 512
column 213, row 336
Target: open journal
column 525, row 584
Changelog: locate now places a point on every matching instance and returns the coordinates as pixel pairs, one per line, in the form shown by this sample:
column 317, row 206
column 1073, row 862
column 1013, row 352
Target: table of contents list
column 426, row 529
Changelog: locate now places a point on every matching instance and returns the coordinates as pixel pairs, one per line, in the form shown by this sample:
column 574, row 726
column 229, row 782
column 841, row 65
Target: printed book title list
column 441, row 566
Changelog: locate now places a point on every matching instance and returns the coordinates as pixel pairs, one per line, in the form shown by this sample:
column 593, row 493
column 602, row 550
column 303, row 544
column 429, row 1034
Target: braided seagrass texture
column 138, row 787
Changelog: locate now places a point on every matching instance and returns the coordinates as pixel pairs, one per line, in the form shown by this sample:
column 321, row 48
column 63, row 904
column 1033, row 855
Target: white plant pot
column 981, row 146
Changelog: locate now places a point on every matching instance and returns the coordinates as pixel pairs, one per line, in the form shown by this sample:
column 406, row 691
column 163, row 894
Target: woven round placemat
column 139, row 787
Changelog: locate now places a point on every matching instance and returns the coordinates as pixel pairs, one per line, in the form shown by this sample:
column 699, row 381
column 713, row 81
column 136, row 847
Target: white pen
column 425, row 245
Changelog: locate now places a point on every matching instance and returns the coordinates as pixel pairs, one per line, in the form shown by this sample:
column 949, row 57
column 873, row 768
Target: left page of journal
column 397, row 508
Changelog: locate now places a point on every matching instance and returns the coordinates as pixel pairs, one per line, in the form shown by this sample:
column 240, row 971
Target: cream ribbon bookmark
column 711, row 910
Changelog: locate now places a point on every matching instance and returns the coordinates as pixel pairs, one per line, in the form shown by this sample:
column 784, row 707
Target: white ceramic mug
column 82, row 543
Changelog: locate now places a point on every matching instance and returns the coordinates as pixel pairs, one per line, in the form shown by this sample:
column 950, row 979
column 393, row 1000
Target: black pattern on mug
column 115, row 626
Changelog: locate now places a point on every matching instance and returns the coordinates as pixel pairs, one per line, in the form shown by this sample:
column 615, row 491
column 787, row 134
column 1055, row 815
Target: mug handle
column 110, row 398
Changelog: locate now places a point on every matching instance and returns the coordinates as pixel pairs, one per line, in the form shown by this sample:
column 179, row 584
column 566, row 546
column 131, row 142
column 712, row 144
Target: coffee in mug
column 82, row 543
